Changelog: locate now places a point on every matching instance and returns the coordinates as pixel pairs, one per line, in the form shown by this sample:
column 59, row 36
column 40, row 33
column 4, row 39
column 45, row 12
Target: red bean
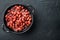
column 29, row 22
column 18, row 18
column 14, row 20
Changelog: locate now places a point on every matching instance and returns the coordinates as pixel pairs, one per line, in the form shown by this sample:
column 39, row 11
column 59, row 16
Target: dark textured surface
column 46, row 20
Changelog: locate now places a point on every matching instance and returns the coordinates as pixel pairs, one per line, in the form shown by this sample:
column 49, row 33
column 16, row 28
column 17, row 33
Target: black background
column 46, row 20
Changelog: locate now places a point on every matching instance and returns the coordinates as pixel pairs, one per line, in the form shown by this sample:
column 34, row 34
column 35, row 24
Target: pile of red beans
column 18, row 18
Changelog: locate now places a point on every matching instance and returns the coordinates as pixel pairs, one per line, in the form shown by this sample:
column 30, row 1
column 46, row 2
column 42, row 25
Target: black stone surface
column 46, row 20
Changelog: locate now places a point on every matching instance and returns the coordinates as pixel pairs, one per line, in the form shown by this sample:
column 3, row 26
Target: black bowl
column 7, row 29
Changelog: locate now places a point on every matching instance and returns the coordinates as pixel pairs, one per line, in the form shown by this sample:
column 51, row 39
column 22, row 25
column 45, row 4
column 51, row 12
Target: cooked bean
column 18, row 18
